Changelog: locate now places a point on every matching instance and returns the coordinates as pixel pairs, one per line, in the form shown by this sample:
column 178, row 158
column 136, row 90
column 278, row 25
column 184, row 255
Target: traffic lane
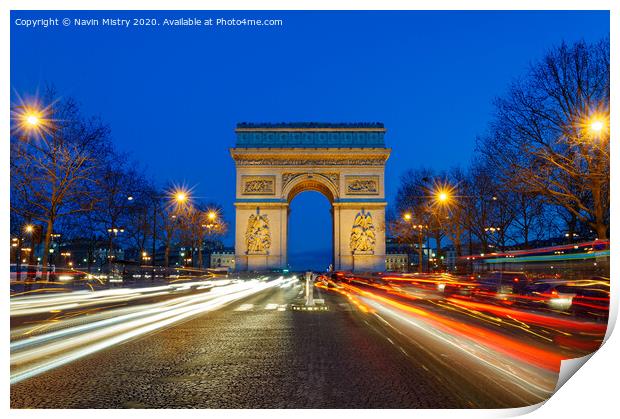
column 479, row 372
column 198, row 356
column 568, row 336
column 40, row 311
column 352, row 360
column 36, row 322
column 470, row 368
column 35, row 355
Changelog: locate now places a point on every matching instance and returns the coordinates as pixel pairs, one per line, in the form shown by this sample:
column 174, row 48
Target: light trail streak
column 37, row 354
column 532, row 318
column 520, row 375
column 528, row 366
column 511, row 347
column 43, row 302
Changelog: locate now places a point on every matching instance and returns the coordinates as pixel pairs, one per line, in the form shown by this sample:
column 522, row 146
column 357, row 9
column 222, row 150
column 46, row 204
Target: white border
column 592, row 393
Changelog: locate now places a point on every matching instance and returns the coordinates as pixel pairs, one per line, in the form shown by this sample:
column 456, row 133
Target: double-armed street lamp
column 179, row 197
column 595, row 152
column 113, row 232
column 66, row 256
column 420, row 228
column 32, row 231
column 212, row 222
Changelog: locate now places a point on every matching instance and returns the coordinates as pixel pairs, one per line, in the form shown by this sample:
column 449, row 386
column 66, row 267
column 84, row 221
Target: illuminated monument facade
column 344, row 162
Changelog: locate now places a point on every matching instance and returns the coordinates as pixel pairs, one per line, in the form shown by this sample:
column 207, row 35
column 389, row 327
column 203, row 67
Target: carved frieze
column 333, row 178
column 257, row 235
column 258, row 185
column 363, row 237
column 308, row 162
column 362, row 185
column 288, row 177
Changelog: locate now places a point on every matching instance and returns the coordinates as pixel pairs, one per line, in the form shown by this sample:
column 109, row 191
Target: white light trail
column 40, row 353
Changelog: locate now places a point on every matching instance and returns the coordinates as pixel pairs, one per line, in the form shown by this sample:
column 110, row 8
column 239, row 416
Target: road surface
column 259, row 352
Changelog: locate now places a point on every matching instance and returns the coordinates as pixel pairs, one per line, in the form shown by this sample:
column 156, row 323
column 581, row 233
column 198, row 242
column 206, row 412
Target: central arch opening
column 310, row 232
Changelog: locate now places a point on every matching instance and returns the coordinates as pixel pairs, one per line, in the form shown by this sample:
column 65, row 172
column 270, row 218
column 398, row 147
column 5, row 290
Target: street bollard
column 309, row 290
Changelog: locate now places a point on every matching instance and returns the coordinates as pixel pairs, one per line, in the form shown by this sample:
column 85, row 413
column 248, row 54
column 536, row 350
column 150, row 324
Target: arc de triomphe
column 345, row 162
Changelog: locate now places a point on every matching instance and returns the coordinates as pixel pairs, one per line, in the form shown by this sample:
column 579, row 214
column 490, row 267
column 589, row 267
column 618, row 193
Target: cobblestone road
column 258, row 353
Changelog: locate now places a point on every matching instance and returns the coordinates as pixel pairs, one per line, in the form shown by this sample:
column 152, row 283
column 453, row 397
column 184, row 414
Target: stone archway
column 344, row 162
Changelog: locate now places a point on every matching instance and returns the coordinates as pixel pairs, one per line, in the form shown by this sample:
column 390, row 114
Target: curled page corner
column 569, row 367
column 611, row 321
column 521, row 411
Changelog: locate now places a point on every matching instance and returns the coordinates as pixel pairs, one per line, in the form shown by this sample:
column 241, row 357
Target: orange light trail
column 528, row 317
column 496, row 341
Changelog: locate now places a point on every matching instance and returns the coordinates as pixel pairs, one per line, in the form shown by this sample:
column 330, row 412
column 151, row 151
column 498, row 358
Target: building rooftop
column 310, row 135
column 310, row 125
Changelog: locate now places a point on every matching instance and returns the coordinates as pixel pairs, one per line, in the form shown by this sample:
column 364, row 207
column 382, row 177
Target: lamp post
column 491, row 231
column 212, row 222
column 65, row 256
column 31, row 230
column 419, row 227
column 113, row 232
column 598, row 136
column 16, row 247
column 35, row 121
column 179, row 197
column 443, row 197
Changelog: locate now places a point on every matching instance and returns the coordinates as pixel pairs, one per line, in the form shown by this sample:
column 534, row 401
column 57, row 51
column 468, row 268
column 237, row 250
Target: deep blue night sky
column 173, row 95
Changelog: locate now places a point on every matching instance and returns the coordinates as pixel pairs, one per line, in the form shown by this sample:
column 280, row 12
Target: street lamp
column 212, row 223
column 66, row 256
column 408, row 218
column 597, row 124
column 178, row 196
column 31, row 230
column 443, row 196
column 113, row 232
column 30, row 118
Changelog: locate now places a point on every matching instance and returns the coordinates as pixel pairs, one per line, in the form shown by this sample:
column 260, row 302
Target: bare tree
column 198, row 223
column 53, row 166
column 117, row 187
column 415, row 197
column 551, row 132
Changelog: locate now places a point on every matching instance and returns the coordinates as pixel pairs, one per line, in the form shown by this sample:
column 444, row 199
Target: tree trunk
column 420, row 255
column 458, row 247
column 572, row 226
column 167, row 254
column 438, row 244
column 46, row 247
column 599, row 220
